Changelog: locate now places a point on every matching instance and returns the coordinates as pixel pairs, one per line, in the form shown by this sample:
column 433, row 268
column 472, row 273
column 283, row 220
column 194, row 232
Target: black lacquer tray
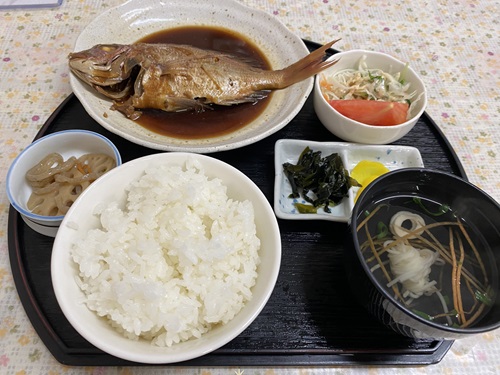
column 311, row 318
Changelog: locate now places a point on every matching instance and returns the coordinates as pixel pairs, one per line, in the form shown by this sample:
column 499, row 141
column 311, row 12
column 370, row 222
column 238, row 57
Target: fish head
column 101, row 65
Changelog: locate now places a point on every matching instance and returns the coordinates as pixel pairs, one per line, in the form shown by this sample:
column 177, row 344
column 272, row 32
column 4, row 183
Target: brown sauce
column 222, row 119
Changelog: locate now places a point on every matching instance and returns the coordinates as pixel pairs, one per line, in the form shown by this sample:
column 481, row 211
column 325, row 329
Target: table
column 453, row 45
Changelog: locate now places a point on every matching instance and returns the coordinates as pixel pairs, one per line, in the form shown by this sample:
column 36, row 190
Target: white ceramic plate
column 289, row 150
column 351, row 130
column 111, row 187
column 136, row 19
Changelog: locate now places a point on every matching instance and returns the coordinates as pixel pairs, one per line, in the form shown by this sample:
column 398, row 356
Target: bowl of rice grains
column 166, row 258
column 426, row 254
column 48, row 176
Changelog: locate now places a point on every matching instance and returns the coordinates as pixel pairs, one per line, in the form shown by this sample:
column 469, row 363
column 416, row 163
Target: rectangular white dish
column 289, row 150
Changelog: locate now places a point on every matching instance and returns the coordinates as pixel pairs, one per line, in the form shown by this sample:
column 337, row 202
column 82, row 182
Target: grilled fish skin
column 173, row 77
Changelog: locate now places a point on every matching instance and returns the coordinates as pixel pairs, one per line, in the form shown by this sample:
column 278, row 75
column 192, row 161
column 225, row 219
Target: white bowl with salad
column 369, row 97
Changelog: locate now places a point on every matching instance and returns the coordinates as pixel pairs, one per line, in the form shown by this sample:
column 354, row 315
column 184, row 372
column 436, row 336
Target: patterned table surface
column 453, row 45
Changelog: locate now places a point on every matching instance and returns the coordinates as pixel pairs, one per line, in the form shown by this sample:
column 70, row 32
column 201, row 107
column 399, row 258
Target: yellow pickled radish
column 367, row 171
column 367, row 168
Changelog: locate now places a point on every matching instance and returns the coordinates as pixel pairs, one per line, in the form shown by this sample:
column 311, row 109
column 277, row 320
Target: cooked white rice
column 176, row 259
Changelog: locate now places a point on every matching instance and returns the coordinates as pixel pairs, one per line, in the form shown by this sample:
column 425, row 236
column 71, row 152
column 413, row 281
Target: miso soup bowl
column 479, row 211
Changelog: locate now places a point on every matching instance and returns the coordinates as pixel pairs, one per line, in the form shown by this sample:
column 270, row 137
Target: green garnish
column 319, row 181
column 306, row 208
column 453, row 312
column 423, row 315
column 402, row 74
column 382, row 230
column 484, row 298
column 444, row 208
column 374, row 77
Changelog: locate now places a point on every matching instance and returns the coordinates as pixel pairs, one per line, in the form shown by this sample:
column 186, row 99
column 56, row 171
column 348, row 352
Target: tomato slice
column 372, row 112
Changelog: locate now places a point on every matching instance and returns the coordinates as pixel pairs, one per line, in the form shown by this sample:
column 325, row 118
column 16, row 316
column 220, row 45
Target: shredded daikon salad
column 369, row 84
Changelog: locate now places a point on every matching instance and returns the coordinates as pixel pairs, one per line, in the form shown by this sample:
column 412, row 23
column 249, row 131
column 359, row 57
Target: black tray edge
column 292, row 358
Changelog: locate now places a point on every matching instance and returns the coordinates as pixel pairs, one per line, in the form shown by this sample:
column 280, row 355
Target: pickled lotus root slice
column 405, row 222
column 74, row 176
column 44, row 204
column 98, row 164
column 47, row 188
column 67, row 195
column 56, row 201
column 42, row 183
column 57, row 183
column 49, row 166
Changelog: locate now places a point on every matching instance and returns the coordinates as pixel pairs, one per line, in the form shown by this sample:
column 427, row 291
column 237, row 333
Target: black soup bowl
column 425, row 254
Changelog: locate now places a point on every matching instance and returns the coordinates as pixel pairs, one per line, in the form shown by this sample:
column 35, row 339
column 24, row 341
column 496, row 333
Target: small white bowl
column 289, row 150
column 111, row 187
column 354, row 131
column 67, row 143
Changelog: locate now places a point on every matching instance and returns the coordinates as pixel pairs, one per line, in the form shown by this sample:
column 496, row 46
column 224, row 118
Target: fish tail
column 306, row 67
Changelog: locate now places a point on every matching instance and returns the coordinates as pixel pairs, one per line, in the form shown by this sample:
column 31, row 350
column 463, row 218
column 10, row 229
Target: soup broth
column 441, row 267
column 222, row 119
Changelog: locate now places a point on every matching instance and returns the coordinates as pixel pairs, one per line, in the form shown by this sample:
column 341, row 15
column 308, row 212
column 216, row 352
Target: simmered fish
column 175, row 77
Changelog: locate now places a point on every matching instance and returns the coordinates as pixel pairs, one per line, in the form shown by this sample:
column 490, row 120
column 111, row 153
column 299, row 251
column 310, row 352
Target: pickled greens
column 320, row 181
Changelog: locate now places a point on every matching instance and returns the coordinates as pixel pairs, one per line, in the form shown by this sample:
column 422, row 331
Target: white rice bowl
column 166, row 258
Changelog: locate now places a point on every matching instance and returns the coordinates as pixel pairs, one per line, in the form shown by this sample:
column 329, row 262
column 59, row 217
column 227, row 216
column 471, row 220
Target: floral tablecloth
column 454, row 45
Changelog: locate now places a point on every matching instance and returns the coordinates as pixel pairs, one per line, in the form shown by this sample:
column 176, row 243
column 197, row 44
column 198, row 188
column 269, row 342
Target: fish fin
column 127, row 109
column 172, row 68
column 174, row 104
column 252, row 98
column 170, row 104
column 307, row 67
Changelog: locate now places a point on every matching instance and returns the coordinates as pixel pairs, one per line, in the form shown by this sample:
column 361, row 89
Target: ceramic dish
column 136, row 19
column 112, row 187
column 67, row 143
column 354, row 131
column 289, row 150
